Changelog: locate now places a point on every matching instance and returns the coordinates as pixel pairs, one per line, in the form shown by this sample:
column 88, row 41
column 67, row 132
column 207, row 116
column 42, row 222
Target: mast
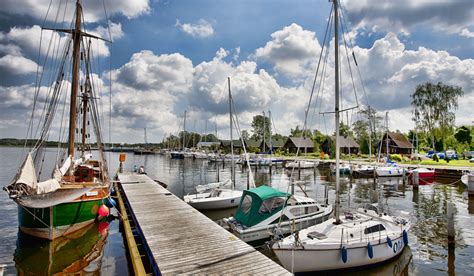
column 386, row 136
column 270, row 128
column 85, row 99
column 184, row 131
column 232, row 169
column 336, row 78
column 76, row 36
column 370, row 134
column 264, row 130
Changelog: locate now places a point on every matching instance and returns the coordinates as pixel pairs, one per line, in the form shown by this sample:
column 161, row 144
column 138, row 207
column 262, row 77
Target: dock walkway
column 181, row 240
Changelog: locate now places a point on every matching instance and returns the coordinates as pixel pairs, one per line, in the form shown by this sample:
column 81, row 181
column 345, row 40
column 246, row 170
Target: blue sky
column 171, row 56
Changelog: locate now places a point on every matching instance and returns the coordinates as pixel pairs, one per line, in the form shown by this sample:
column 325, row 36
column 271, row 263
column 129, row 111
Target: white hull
column 301, row 165
column 389, row 171
column 331, row 259
column 264, row 232
column 227, row 198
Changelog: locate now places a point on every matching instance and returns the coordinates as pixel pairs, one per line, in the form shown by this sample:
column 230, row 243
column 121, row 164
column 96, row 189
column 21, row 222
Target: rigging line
column 343, row 16
column 315, row 77
column 349, row 63
column 30, row 125
column 327, row 34
column 235, row 119
column 322, row 79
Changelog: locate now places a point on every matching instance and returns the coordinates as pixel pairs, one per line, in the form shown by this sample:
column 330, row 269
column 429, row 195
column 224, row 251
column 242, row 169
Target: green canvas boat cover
column 259, row 204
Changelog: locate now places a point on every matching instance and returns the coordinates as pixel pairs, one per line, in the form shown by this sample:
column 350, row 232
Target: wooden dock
column 180, row 240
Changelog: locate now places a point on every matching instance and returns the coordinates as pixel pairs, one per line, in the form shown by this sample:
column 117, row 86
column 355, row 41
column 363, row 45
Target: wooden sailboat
column 219, row 197
column 360, row 237
column 71, row 198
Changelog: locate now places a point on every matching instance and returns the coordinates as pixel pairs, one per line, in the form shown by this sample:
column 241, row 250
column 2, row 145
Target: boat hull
column 229, row 199
column 387, row 172
column 308, row 260
column 257, row 235
column 59, row 220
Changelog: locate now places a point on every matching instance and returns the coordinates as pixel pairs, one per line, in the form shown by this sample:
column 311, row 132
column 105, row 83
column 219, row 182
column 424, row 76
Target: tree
column 297, row 132
column 463, row 135
column 261, row 126
column 433, row 105
column 245, row 135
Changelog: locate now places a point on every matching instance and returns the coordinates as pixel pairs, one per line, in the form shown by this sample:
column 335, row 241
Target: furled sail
column 210, row 186
column 25, row 181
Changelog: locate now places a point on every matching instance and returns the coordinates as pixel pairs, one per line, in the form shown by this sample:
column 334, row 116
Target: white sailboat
column 302, row 164
column 219, row 197
column 354, row 239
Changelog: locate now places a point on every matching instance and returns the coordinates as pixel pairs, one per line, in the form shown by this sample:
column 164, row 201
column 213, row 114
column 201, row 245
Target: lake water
column 100, row 249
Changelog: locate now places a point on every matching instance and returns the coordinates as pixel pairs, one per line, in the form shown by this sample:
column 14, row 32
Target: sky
column 171, row 56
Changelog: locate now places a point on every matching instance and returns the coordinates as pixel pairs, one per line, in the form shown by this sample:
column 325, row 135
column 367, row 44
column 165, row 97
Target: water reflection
column 81, row 251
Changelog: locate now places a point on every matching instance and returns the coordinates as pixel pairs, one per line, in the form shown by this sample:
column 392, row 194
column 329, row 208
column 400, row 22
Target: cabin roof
column 265, row 192
column 346, row 142
column 400, row 140
column 301, row 142
column 276, row 143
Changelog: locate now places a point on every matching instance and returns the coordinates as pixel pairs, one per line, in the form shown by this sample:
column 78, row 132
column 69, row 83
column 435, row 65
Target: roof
column 253, row 143
column 276, row 143
column 265, row 192
column 301, row 142
column 400, row 140
column 346, row 142
column 226, row 143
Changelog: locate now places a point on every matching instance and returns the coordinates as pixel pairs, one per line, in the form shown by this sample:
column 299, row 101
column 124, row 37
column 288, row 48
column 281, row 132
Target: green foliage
column 245, row 134
column 433, row 107
column 261, row 126
column 463, row 135
column 396, row 157
column 297, row 132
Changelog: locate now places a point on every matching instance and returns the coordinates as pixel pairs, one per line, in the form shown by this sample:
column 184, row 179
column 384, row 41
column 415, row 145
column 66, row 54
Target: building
column 397, row 144
column 305, row 144
column 347, row 145
column 225, row 145
column 275, row 144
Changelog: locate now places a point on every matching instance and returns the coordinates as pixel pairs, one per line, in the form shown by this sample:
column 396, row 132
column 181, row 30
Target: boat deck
column 181, row 240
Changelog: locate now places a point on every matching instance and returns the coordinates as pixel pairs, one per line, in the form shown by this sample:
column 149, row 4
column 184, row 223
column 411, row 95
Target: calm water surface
column 428, row 252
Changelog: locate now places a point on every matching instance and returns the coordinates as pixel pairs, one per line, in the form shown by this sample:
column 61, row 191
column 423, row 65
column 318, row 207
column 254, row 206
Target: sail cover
column 27, row 174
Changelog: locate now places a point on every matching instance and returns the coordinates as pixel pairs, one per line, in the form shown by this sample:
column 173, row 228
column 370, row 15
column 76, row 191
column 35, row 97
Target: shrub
column 396, row 157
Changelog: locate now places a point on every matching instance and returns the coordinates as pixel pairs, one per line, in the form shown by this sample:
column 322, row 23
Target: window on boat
column 316, row 235
column 271, row 204
column 246, row 204
column 303, row 210
column 373, row 229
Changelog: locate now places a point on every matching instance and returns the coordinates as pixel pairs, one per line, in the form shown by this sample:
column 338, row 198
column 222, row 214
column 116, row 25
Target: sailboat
column 357, row 238
column 390, row 169
column 219, row 197
column 71, row 198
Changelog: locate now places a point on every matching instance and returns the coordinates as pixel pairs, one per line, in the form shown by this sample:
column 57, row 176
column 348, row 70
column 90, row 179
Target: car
column 469, row 154
column 440, row 155
column 471, row 160
column 451, row 154
column 430, row 154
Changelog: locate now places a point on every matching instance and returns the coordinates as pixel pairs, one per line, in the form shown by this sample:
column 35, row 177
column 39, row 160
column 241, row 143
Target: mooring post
column 404, row 177
column 299, row 170
column 218, row 176
column 292, row 187
column 415, row 179
column 451, row 231
column 248, row 179
column 470, row 184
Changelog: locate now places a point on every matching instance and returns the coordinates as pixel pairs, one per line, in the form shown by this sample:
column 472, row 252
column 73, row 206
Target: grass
column 456, row 163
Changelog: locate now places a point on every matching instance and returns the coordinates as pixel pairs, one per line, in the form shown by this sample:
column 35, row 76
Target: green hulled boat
column 71, row 198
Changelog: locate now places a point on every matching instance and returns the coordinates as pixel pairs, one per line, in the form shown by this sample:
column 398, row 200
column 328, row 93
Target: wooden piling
column 415, row 179
column 451, row 230
column 470, row 184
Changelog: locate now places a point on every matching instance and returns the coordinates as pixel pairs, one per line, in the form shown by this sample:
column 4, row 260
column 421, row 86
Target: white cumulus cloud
column 201, row 29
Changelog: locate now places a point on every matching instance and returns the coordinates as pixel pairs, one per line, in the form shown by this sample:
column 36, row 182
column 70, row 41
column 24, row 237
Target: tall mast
column 232, row 169
column 85, row 99
column 76, row 36
column 184, row 131
column 270, row 128
column 386, row 136
column 263, row 112
column 336, row 78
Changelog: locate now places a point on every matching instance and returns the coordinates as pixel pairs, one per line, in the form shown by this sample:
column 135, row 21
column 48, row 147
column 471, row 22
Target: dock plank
column 181, row 240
